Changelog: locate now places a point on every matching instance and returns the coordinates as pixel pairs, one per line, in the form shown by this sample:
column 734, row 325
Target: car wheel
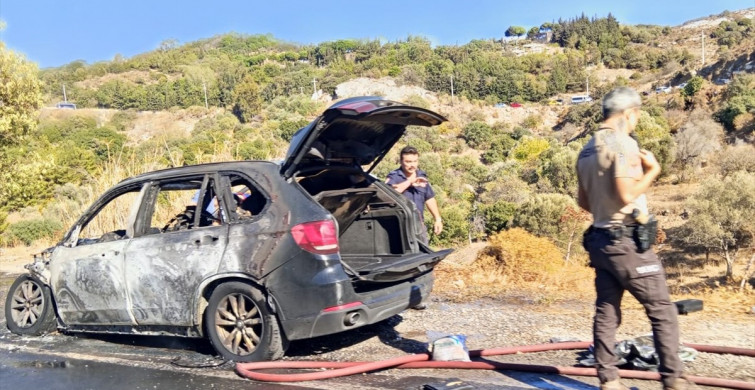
column 28, row 307
column 240, row 326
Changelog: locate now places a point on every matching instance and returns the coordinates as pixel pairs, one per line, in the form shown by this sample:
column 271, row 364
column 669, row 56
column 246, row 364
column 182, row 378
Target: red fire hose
column 423, row 361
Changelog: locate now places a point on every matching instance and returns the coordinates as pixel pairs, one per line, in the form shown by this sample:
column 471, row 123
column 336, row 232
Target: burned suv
column 249, row 254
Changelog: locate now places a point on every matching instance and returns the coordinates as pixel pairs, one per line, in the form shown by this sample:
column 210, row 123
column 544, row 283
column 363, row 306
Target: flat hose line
column 338, row 369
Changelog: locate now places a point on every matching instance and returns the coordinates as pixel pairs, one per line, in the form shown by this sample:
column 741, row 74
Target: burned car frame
column 248, row 254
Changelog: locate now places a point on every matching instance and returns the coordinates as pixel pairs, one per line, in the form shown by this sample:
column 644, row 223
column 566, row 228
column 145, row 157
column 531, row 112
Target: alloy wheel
column 28, row 304
column 238, row 323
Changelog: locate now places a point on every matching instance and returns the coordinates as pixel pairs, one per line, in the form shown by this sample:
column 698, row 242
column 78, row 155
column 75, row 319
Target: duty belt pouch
column 644, row 234
column 586, row 238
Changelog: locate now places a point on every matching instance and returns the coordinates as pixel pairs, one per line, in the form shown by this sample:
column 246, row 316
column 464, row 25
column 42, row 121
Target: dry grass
column 517, row 265
column 515, row 261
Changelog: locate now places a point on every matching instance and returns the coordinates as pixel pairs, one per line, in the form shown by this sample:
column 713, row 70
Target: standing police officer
column 613, row 176
column 411, row 181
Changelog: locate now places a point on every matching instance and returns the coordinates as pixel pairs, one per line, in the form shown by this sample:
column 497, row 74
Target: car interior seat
column 254, row 203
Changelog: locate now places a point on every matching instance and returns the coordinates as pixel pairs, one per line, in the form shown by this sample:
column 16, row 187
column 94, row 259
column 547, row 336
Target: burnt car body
column 277, row 252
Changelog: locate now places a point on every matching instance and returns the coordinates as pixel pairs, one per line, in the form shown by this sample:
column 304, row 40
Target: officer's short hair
column 620, row 99
column 408, row 150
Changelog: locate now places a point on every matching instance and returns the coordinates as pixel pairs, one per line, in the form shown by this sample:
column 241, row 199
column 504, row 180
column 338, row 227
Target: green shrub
column 417, row 101
column 257, row 149
column 28, row 184
column 499, row 149
column 694, row 85
column 122, row 120
column 431, row 136
column 653, row 132
column 556, row 167
column 224, row 123
column 541, row 214
column 29, row 231
column 529, row 149
column 288, row 128
column 520, row 132
column 455, row 225
column 477, row 134
column 533, row 121
column 468, row 169
column 3, row 221
column 740, row 99
column 498, row 216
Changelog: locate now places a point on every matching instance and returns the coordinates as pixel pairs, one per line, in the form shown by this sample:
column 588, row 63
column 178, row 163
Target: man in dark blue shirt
column 412, row 182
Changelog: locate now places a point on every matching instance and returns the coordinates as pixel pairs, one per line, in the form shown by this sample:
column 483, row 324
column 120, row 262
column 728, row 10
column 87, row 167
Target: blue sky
column 54, row 33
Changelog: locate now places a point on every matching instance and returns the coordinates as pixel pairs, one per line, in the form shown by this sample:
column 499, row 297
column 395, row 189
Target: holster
column 644, row 235
column 586, row 237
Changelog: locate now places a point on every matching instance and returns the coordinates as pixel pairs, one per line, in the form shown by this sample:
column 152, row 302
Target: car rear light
column 318, row 237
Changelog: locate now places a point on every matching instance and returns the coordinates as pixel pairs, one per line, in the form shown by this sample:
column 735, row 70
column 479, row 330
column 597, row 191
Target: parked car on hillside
column 249, row 254
column 579, row 99
column 516, row 105
column 66, row 105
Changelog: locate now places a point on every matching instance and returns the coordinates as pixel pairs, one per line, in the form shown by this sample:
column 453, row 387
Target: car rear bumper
column 375, row 306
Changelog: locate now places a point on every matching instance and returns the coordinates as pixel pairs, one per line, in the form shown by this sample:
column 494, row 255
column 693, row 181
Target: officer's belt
column 616, row 232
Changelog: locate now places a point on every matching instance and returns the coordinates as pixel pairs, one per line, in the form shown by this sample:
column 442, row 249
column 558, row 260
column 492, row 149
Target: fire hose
column 338, row 369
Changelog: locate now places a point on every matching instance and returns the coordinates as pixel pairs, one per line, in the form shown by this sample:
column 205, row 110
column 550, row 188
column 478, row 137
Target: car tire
column 240, row 326
column 29, row 308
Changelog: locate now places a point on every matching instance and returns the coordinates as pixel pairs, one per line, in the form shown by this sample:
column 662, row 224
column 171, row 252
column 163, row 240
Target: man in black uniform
column 613, row 176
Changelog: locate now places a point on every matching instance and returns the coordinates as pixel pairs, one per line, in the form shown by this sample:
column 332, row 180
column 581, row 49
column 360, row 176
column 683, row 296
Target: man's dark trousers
column 619, row 267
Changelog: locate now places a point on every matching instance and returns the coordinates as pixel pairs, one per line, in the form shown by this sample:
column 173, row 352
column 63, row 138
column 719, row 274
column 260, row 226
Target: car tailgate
column 400, row 268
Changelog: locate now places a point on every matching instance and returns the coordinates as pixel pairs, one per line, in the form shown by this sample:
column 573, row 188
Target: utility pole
column 65, row 99
column 587, row 82
column 452, row 90
column 314, row 86
column 702, row 39
column 204, row 87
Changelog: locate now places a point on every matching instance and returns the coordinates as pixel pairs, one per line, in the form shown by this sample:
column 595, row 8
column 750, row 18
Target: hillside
column 495, row 164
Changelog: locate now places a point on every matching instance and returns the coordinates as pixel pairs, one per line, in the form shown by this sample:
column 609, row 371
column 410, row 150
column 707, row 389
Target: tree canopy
column 20, row 95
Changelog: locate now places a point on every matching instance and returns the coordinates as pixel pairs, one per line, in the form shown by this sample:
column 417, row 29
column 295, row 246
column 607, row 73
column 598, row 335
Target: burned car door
column 180, row 241
column 86, row 270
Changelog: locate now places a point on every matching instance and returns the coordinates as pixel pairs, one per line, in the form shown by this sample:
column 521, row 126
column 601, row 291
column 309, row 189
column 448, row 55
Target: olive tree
column 541, row 213
column 722, row 216
column 699, row 138
column 247, row 99
column 654, row 134
column 20, row 95
column 555, row 216
column 739, row 157
column 556, row 168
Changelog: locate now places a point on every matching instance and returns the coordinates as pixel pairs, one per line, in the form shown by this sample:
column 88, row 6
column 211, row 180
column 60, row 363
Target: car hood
column 357, row 131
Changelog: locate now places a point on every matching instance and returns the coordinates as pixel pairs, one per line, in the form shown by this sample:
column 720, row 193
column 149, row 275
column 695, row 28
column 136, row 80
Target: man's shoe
column 420, row 306
column 681, row 383
column 613, row 385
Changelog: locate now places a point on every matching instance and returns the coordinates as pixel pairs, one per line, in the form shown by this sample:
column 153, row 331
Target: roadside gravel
column 490, row 324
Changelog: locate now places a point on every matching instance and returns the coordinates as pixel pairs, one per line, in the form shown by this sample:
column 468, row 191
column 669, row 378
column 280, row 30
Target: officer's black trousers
column 619, row 267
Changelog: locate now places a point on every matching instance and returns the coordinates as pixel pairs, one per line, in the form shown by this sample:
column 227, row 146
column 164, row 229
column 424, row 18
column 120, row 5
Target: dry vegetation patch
column 514, row 261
